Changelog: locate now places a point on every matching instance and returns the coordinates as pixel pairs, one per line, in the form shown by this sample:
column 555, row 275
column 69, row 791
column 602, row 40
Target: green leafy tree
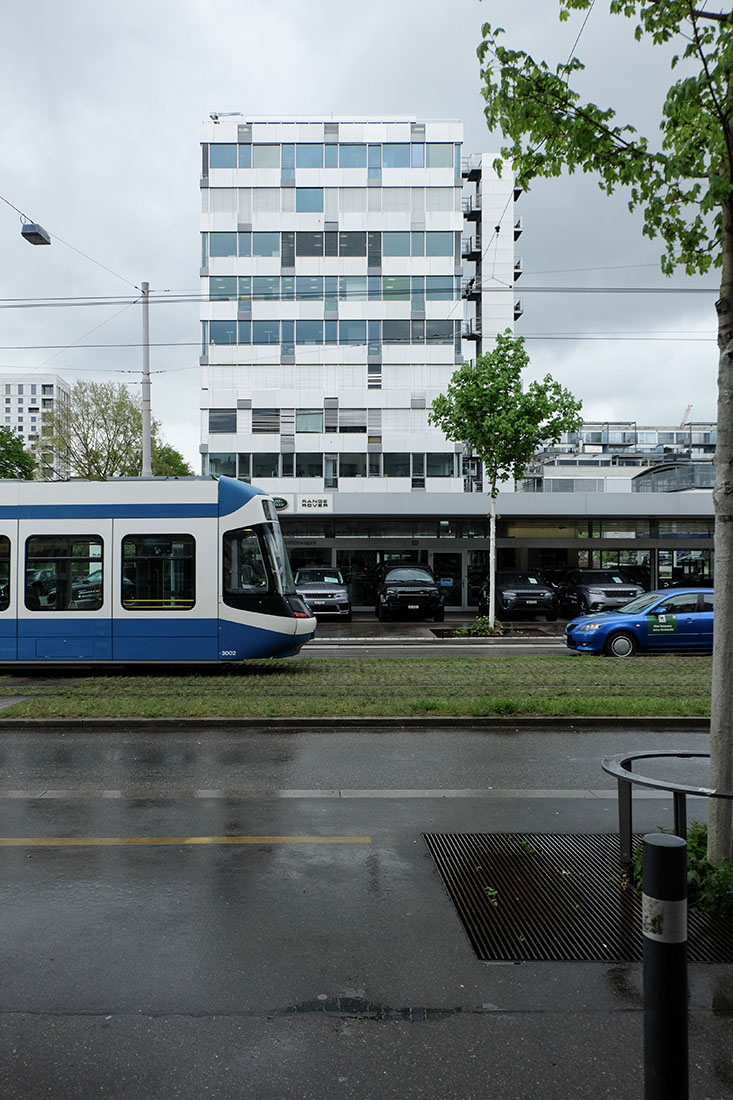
column 97, row 434
column 682, row 183
column 15, row 461
column 487, row 408
column 166, row 461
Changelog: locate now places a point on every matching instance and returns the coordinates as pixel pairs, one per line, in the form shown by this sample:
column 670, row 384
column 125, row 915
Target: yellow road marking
column 119, row 841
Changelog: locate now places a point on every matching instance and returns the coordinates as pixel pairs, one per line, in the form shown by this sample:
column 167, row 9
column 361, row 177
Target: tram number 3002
column 228, row 653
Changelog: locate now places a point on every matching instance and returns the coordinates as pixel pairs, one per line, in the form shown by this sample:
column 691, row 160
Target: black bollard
column 664, row 924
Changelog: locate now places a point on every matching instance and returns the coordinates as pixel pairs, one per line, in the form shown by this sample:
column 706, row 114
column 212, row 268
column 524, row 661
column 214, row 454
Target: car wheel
column 382, row 614
column 439, row 615
column 583, row 608
column 620, row 644
column 551, row 617
column 347, row 617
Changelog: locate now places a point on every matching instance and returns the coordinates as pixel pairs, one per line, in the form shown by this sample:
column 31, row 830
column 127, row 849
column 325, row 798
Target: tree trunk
column 492, row 562
column 721, row 703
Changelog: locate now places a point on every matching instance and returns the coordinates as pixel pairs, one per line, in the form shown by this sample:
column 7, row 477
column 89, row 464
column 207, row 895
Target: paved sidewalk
column 366, row 626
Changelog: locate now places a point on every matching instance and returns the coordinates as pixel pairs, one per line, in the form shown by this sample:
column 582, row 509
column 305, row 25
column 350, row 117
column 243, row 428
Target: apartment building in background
column 28, row 400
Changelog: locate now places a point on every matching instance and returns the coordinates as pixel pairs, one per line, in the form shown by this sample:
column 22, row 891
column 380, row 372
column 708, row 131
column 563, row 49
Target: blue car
column 657, row 622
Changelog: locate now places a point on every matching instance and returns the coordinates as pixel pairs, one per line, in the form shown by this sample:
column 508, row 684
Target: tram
column 152, row 570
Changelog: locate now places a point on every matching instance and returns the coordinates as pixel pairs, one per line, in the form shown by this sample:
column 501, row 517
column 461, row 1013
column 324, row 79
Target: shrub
column 480, row 628
column 709, row 889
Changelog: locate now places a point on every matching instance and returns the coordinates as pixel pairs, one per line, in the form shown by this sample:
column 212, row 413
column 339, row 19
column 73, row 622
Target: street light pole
column 147, row 469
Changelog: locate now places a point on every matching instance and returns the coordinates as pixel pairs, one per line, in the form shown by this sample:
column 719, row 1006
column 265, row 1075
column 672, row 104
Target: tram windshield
column 256, row 563
column 276, row 545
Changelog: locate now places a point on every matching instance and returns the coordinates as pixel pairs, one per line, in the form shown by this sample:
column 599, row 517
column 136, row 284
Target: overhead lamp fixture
column 34, row 234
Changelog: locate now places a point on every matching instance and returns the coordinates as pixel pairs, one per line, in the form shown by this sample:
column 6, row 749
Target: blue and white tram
column 145, row 570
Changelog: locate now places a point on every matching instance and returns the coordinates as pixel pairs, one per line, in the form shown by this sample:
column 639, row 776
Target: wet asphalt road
column 316, row 953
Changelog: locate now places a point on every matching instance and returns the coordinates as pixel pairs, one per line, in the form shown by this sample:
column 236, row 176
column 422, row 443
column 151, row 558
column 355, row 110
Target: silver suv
column 582, row 591
column 324, row 591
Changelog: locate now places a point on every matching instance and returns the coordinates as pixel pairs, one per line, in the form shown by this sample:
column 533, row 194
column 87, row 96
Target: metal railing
column 620, row 766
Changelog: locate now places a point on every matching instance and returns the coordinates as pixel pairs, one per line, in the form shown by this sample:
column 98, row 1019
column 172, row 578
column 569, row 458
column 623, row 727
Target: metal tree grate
column 524, row 897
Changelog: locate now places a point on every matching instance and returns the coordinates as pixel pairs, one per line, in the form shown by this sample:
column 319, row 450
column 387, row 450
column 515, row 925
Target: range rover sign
column 280, row 503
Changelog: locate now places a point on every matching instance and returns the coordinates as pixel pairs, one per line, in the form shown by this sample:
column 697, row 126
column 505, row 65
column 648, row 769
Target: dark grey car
column 584, row 590
column 518, row 594
column 324, row 591
column 408, row 590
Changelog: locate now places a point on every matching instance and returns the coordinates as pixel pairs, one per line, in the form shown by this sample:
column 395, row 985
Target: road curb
column 576, row 724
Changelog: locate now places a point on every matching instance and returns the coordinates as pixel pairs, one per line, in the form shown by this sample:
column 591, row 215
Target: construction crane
column 685, row 417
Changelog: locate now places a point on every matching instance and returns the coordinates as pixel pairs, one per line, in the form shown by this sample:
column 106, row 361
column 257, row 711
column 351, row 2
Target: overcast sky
column 100, row 113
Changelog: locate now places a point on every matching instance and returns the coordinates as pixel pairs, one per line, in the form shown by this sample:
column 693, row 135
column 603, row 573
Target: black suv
column 409, row 590
column 519, row 594
column 585, row 590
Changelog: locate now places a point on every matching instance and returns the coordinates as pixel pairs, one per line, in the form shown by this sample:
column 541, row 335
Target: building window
column 265, row 156
column 439, row 465
column 266, row 288
column 396, row 465
column 267, row 244
column 309, row 156
column 352, row 244
column 222, row 155
column 439, row 155
column 352, row 156
column 395, row 155
column 222, row 332
column 396, row 244
column 352, row 332
column 309, row 288
column 266, row 421
column 439, row 288
column 352, row 420
column 352, row 465
column 396, row 288
column 397, row 332
column 309, row 465
column 309, row 332
column 265, row 465
column 222, row 420
column 309, row 420
column 222, row 244
column 353, row 288
column 265, row 332
column 222, row 465
column 223, row 288
column 308, row 244
column 439, row 332
column 309, row 200
column 439, row 244
column 158, row 572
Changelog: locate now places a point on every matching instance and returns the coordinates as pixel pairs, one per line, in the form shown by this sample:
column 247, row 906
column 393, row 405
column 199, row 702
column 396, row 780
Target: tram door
column 8, row 592
column 449, row 575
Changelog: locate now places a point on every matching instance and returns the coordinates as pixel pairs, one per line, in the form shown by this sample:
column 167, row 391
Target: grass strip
column 382, row 687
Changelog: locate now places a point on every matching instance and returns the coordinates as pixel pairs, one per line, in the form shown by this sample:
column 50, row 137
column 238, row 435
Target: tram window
column 158, row 572
column 4, row 572
column 63, row 573
column 245, row 573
